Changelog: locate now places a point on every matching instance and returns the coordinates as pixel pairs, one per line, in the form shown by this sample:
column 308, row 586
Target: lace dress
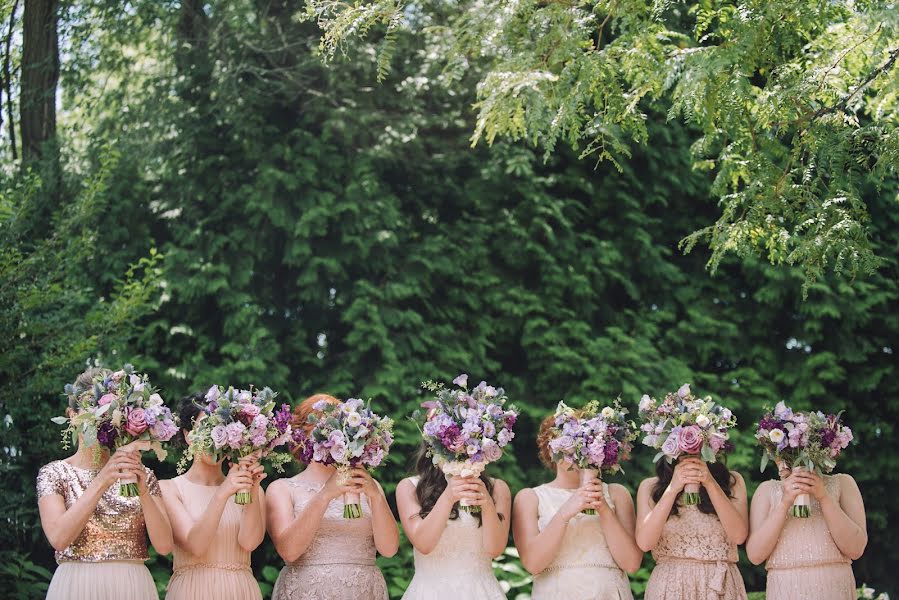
column 695, row 560
column 106, row 560
column 457, row 568
column 223, row 571
column 339, row 564
column 806, row 563
column 584, row 568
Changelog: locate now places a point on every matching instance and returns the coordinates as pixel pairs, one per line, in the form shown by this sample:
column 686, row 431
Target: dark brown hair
column 432, row 482
column 719, row 472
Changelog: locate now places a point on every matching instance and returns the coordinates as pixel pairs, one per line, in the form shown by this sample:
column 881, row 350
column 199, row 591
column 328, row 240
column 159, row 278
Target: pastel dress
column 458, row 568
column 223, row 571
column 806, row 563
column 695, row 560
column 339, row 564
column 106, row 560
column 584, row 568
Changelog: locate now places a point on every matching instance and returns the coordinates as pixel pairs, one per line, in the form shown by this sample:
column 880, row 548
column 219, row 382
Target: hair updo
column 84, row 382
column 301, row 413
column 544, row 437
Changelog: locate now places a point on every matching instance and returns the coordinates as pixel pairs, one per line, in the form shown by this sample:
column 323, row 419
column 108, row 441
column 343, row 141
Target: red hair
column 544, row 437
column 299, row 419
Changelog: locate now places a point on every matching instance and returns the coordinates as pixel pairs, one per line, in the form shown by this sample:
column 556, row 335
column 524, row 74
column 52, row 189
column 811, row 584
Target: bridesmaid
column 453, row 548
column 213, row 535
column 695, row 547
column 573, row 555
column 808, row 559
column 328, row 557
column 100, row 537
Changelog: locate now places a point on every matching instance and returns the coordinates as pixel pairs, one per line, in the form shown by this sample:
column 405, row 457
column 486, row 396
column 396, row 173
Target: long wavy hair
column 719, row 472
column 432, row 482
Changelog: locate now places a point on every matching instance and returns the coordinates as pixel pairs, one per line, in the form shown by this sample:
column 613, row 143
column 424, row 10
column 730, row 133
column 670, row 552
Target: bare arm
column 765, row 523
column 537, row 548
column 618, row 528
column 732, row 512
column 293, row 535
column 383, row 523
column 651, row 517
column 424, row 533
column 159, row 529
column 846, row 519
column 252, row 521
column 495, row 517
column 62, row 526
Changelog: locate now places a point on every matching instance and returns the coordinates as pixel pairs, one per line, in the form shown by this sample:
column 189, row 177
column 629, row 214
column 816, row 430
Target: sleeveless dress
column 806, row 563
column 695, row 560
column 339, row 564
column 224, row 570
column 457, row 568
column 584, row 568
column 106, row 560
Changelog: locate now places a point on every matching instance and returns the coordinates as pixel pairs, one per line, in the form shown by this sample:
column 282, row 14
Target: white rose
column 155, row 400
column 776, row 436
column 354, row 419
column 702, row 421
column 645, row 401
column 608, row 413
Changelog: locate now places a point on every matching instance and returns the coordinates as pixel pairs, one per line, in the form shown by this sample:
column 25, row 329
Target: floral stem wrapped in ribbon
column 800, row 440
column 466, row 429
column 121, row 411
column 684, row 425
column 595, row 441
column 240, row 423
column 347, row 435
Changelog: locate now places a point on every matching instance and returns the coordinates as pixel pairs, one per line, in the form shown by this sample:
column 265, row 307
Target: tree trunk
column 40, row 75
column 7, row 79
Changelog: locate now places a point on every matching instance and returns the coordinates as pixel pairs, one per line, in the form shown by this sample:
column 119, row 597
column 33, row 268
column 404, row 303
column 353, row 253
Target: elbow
column 644, row 544
column 58, row 543
column 496, row 552
column 389, row 549
column 857, row 553
column 530, row 567
column 754, row 556
column 633, row 565
column 163, row 548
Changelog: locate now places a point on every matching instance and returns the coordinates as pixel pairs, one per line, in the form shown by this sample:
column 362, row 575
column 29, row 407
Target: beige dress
column 224, row 570
column 695, row 560
column 584, row 568
column 106, row 560
column 457, row 568
column 339, row 564
column 806, row 563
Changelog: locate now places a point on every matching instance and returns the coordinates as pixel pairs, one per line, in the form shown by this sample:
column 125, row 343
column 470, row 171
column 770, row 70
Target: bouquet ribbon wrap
column 802, row 504
column 352, row 502
column 463, row 469
column 588, row 475
column 128, row 484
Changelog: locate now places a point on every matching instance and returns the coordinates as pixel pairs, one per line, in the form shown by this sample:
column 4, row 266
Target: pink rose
column 690, row 439
column 106, row 399
column 136, row 421
column 717, row 442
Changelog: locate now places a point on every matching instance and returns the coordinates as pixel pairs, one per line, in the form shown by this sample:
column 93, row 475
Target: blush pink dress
column 584, row 568
column 339, row 564
column 806, row 563
column 223, row 571
column 695, row 560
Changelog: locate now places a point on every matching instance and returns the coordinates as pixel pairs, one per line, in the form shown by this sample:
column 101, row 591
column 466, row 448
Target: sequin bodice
column 805, row 542
column 116, row 530
column 694, row 535
column 338, row 540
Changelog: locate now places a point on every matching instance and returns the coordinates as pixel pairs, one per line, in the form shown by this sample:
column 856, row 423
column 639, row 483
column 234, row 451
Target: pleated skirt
column 107, row 580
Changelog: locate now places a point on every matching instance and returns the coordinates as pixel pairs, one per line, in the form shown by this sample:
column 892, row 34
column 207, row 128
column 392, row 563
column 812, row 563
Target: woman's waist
column 188, row 566
column 461, row 564
column 784, row 563
column 578, row 568
column 100, row 562
column 330, row 561
column 662, row 559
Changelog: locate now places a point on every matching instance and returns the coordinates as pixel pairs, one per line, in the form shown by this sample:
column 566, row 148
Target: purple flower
column 684, row 391
column 107, row 434
column 461, row 380
column 136, row 421
column 489, row 429
column 164, row 430
column 505, row 436
column 670, row 446
column 282, row 418
column 212, row 394
column 235, row 433
column 611, row 452
column 219, row 436
column 491, row 450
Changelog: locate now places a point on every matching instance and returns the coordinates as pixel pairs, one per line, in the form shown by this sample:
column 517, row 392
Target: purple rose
column 690, row 439
column 136, row 421
column 491, row 451
column 670, row 446
column 219, row 436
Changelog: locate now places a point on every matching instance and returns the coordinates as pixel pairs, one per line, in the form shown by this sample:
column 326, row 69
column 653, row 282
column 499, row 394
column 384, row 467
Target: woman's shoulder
column 617, row 490
column 500, row 485
column 647, row 484
column 411, row 481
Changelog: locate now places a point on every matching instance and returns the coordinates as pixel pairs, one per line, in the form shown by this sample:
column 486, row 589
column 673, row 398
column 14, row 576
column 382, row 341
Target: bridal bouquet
column 348, row 435
column 239, row 423
column 683, row 424
column 466, row 429
column 120, row 412
column 810, row 441
column 595, row 441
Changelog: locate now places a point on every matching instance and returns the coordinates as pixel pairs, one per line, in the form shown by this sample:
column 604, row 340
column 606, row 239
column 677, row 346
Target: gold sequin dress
column 106, row 560
column 223, row 571
column 339, row 564
column 806, row 563
column 695, row 560
column 584, row 568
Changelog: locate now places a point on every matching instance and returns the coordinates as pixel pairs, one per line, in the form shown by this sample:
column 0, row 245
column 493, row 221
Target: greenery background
column 218, row 206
